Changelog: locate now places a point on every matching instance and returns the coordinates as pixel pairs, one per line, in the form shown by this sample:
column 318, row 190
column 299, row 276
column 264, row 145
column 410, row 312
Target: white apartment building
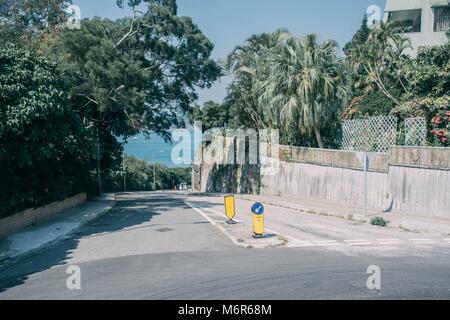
column 425, row 22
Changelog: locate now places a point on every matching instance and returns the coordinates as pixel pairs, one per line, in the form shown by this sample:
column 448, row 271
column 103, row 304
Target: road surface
column 168, row 246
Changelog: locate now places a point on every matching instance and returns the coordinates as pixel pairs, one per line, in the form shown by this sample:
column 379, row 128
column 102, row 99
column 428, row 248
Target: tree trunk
column 319, row 138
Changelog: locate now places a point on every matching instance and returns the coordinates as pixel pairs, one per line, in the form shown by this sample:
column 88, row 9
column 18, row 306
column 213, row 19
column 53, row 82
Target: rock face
column 240, row 179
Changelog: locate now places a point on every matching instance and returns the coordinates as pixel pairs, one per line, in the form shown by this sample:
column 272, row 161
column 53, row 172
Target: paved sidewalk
column 406, row 222
column 55, row 228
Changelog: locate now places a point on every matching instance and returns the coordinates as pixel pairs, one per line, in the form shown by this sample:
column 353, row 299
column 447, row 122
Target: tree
column 265, row 93
column 359, row 39
column 377, row 62
column 138, row 74
column 428, row 75
column 28, row 23
column 249, row 65
column 117, row 78
column 212, row 115
column 147, row 82
column 127, row 81
column 428, row 92
column 44, row 151
column 138, row 175
column 307, row 84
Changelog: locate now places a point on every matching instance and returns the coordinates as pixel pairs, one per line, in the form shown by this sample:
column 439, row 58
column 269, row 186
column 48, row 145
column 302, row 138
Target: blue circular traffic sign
column 258, row 209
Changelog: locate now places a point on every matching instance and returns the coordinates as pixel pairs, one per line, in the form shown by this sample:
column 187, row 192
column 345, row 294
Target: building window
column 407, row 20
column 442, row 19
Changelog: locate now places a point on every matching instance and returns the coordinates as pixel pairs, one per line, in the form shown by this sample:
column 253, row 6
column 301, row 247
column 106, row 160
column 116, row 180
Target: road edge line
column 225, row 232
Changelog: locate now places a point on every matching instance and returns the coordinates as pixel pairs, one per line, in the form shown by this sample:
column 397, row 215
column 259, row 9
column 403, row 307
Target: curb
column 358, row 218
column 7, row 258
column 307, row 211
column 247, row 245
column 239, row 242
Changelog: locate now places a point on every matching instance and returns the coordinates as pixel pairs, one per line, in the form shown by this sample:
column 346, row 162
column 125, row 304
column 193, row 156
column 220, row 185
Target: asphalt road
column 155, row 246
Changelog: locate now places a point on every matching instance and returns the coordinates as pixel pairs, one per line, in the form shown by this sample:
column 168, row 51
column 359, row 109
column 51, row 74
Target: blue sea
column 153, row 150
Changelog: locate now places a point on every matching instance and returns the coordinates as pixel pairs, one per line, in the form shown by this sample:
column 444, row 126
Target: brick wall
column 29, row 217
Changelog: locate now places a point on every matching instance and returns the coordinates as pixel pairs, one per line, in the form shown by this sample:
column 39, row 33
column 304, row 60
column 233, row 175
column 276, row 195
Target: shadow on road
column 129, row 213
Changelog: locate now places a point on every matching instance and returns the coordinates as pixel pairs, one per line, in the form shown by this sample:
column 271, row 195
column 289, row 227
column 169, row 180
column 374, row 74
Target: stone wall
column 237, row 179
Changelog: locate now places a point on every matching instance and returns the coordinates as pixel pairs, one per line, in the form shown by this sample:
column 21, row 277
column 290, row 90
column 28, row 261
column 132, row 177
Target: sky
column 228, row 23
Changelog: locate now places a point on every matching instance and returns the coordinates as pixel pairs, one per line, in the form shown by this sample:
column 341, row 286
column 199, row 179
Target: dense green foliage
column 307, row 85
column 428, row 75
column 70, row 95
column 273, row 86
column 360, row 37
column 28, row 23
column 428, row 93
column 142, row 176
column 295, row 85
column 43, row 148
column 211, row 115
column 388, row 81
column 139, row 83
column 378, row 61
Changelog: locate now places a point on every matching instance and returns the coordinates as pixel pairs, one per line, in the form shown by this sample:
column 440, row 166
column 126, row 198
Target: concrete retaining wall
column 332, row 158
column 420, row 180
column 337, row 184
column 29, row 217
column 411, row 180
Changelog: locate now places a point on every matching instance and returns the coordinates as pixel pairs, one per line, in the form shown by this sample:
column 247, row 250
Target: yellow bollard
column 258, row 220
column 230, row 209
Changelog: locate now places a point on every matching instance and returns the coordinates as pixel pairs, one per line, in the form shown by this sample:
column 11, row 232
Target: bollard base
column 258, row 236
column 231, row 222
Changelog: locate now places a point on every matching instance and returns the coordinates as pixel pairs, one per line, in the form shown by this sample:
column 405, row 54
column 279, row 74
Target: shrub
column 41, row 139
column 378, row 221
column 441, row 128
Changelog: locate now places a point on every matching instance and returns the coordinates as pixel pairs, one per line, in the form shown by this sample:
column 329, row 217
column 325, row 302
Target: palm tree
column 306, row 84
column 248, row 65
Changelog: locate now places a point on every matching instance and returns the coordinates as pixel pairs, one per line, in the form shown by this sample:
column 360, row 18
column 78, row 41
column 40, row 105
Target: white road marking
column 217, row 213
column 213, row 214
column 326, row 243
column 222, row 229
column 357, row 242
column 388, row 241
column 421, row 240
column 292, row 242
column 201, row 213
